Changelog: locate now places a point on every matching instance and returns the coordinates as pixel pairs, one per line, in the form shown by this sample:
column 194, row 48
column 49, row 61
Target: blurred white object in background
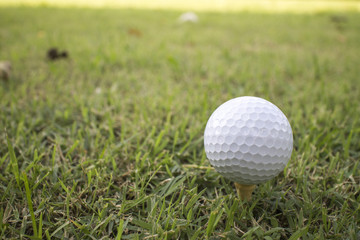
column 5, row 70
column 98, row 90
column 188, row 17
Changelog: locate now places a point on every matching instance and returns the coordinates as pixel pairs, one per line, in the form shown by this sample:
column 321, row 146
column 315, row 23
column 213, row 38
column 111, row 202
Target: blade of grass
column 40, row 226
column 1, row 220
column 120, row 229
column 299, row 233
column 213, row 221
column 14, row 161
column 29, row 200
column 59, row 228
column 2, row 160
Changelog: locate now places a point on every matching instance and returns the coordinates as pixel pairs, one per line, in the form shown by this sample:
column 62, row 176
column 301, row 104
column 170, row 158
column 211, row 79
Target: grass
column 296, row 6
column 109, row 143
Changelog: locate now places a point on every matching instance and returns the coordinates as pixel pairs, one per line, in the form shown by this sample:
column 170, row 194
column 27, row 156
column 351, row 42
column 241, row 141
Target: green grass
column 204, row 5
column 109, row 143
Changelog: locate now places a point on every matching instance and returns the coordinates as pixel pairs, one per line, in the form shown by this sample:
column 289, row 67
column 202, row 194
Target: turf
column 295, row 6
column 108, row 144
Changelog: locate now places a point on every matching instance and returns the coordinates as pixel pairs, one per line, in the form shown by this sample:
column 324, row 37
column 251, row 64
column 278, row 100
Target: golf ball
column 248, row 140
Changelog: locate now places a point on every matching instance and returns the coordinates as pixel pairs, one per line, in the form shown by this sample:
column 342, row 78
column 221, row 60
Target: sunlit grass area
column 205, row 5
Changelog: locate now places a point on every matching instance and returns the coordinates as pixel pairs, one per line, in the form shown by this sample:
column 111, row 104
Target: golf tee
column 244, row 191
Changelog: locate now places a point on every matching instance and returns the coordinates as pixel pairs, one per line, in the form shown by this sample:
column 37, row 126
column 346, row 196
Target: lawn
column 204, row 5
column 108, row 144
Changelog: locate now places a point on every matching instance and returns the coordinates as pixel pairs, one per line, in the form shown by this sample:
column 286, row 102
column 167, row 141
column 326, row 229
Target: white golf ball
column 248, row 140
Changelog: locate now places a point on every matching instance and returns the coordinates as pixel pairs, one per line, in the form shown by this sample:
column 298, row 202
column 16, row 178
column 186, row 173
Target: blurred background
column 206, row 5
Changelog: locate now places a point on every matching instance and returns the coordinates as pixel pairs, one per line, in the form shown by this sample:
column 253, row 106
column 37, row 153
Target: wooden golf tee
column 244, row 191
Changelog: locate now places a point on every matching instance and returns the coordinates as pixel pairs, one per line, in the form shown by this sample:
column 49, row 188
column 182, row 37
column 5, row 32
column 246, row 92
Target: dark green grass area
column 109, row 143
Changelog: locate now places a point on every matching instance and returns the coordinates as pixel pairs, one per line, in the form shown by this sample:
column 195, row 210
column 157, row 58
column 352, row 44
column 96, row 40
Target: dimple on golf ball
column 248, row 140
